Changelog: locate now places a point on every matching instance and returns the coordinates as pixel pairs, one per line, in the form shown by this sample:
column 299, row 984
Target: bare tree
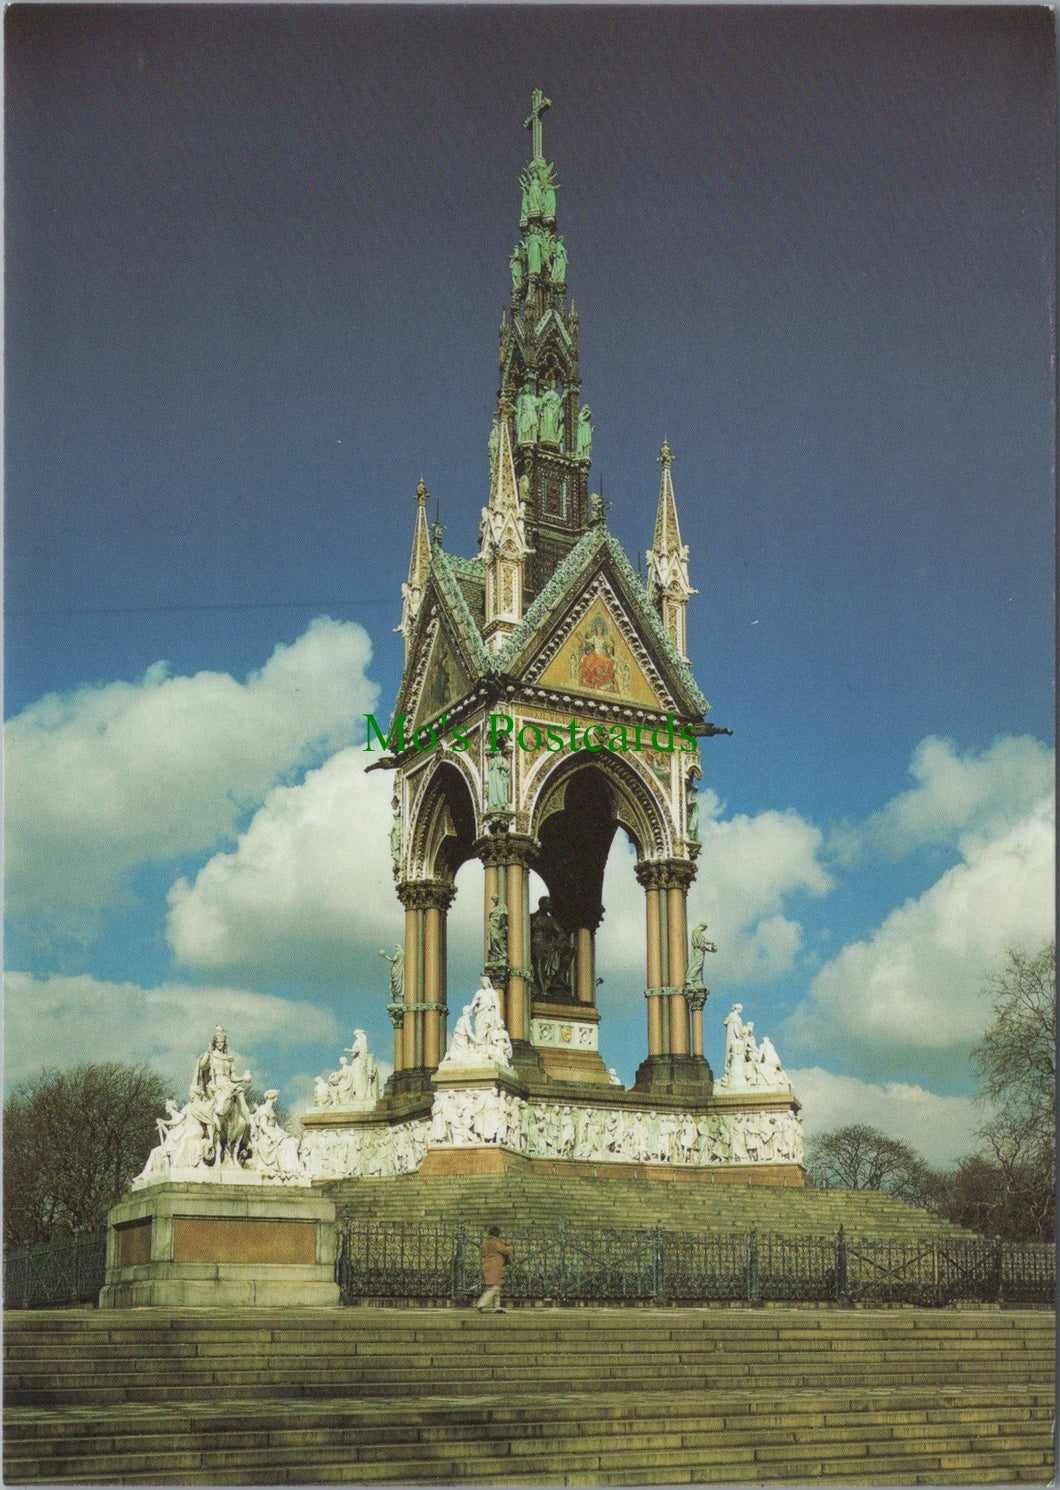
column 859, row 1157
column 73, row 1140
column 1016, row 1060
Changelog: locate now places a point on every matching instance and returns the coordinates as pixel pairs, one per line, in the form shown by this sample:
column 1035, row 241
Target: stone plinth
column 179, row 1245
column 567, row 1039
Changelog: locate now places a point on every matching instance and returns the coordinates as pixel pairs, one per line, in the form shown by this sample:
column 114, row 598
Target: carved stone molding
column 423, row 895
column 665, row 874
column 508, row 848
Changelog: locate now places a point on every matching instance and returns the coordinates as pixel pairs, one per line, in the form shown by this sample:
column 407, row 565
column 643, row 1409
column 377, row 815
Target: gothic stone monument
column 546, row 704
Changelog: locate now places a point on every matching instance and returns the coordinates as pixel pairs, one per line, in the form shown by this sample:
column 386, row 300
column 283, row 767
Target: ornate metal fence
column 67, row 1270
column 429, row 1262
column 426, row 1262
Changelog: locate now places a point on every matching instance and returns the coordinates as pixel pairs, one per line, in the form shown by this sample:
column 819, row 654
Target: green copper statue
column 526, row 418
column 559, row 262
column 584, row 448
column 550, row 407
column 397, row 972
column 535, row 245
column 517, row 264
column 533, row 201
column 547, row 189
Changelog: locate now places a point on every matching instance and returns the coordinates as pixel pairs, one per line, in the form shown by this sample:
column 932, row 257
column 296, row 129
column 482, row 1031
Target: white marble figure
column 216, row 1084
column 770, row 1072
column 736, row 1033
column 184, row 1140
column 209, row 1137
column 479, row 1037
column 274, row 1150
column 749, row 1065
column 355, row 1086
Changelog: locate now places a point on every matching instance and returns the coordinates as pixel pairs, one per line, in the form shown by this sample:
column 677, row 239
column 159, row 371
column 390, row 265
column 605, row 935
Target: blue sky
column 256, row 261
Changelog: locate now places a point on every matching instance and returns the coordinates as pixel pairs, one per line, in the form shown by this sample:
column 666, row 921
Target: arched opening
column 443, row 836
column 575, row 818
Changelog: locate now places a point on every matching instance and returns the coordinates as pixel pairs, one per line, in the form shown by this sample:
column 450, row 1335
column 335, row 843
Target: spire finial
column 538, row 104
column 665, row 456
column 421, row 492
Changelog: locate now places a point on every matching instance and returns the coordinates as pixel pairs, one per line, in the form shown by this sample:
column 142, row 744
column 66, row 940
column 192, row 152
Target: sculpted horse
column 233, row 1124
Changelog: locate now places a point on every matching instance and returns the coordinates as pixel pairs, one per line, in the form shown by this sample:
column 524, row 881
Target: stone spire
column 419, row 564
column 503, row 548
column 551, row 429
column 668, row 586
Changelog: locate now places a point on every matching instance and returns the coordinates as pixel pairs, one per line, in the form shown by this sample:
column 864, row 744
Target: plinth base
column 415, row 1082
column 179, row 1245
column 675, row 1076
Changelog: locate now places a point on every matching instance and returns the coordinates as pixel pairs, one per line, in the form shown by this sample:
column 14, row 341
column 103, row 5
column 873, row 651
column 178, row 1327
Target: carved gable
column 441, row 679
column 601, row 656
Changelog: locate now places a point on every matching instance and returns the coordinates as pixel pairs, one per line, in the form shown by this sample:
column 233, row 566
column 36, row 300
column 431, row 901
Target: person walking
column 496, row 1255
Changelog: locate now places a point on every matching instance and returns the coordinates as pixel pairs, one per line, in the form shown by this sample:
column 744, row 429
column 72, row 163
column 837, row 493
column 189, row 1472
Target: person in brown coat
column 496, row 1255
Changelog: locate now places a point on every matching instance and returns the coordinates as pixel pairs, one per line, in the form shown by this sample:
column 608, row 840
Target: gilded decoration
column 596, row 660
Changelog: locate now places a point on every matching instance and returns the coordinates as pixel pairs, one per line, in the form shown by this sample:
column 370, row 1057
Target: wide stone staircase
column 590, row 1396
column 517, row 1201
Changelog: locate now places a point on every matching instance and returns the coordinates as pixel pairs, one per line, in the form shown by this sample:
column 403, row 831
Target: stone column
column 648, row 875
column 413, row 944
column 437, row 897
column 507, row 858
column 516, row 1001
column 422, row 1040
column 585, row 966
column 397, row 1019
column 676, row 891
column 695, row 1004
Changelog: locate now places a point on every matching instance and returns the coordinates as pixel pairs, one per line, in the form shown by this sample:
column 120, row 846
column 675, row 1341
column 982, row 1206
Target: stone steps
column 536, row 1396
column 987, row 1435
column 516, row 1200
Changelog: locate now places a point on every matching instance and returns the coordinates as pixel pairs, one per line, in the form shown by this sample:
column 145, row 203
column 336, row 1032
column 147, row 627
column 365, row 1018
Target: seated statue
column 479, row 1037
column 551, row 955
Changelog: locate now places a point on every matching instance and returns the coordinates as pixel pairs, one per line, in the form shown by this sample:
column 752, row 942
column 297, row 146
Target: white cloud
column 748, row 866
column 308, row 886
column 106, row 778
column 914, row 989
column 955, row 795
column 941, row 1129
column 63, row 1021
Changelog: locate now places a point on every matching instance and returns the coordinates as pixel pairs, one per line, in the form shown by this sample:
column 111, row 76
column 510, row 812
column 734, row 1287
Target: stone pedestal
column 675, row 1075
column 175, row 1245
column 567, row 1039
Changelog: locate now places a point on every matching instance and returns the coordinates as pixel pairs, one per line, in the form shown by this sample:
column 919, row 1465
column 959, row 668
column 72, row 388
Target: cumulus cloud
column 955, row 795
column 62, row 1021
column 307, row 888
column 941, row 1129
column 748, row 869
column 914, row 988
column 106, row 778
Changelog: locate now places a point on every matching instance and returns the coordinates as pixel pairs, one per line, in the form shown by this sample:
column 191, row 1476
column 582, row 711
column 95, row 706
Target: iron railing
column 438, row 1262
column 66, row 1270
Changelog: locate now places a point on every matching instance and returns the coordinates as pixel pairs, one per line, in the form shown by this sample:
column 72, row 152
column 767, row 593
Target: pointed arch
column 638, row 805
column 444, row 823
